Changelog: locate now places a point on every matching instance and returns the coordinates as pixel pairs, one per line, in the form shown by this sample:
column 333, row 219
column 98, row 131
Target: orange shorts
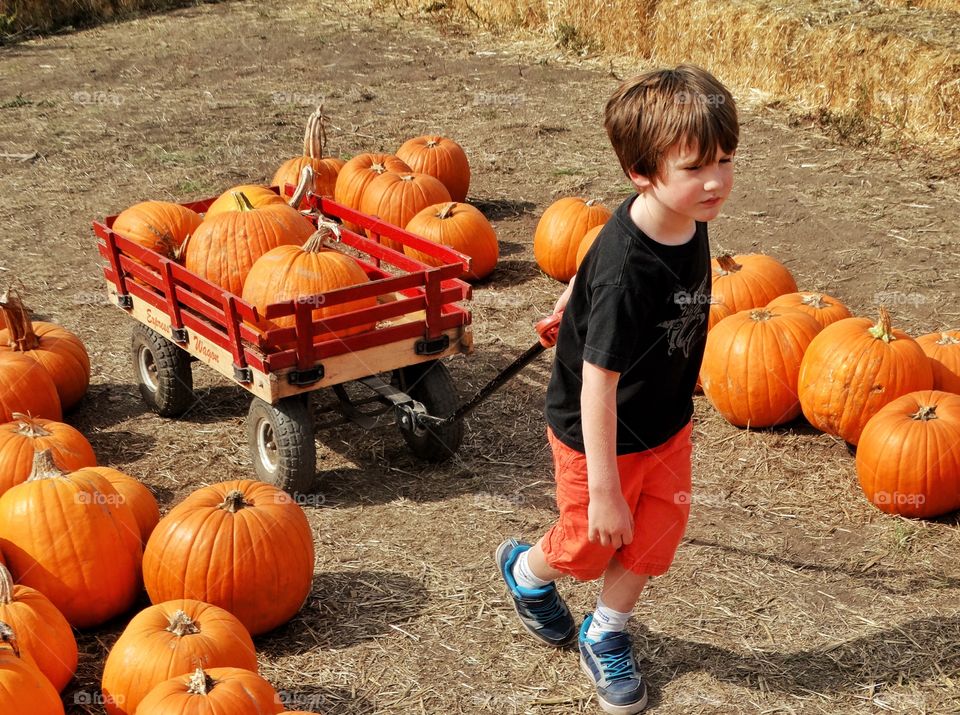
column 656, row 485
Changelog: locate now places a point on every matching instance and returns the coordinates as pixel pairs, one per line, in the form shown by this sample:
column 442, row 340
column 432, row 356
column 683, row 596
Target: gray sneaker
column 612, row 667
column 541, row 610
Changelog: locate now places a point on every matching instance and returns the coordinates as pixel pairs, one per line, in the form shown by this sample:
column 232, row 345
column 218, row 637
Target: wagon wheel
column 282, row 442
column 163, row 372
column 430, row 384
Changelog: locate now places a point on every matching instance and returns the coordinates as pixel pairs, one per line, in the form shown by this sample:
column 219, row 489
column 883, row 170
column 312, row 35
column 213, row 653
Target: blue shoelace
column 618, row 666
column 547, row 612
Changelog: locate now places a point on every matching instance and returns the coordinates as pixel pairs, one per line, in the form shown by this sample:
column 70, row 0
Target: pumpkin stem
column 6, row 586
column 315, row 135
column 200, row 683
column 22, row 337
column 378, row 167
column 44, row 467
column 407, row 177
column 947, row 339
column 727, row 264
column 883, row 330
column 925, row 413
column 815, row 300
column 9, row 637
column 325, row 230
column 243, row 203
column 305, row 183
column 592, row 202
column 29, row 427
column 447, row 210
column 431, row 143
column 182, row 625
column 234, row 501
column 760, row 314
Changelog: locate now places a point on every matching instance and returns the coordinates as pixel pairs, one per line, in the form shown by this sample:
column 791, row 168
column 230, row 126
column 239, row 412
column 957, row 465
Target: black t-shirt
column 638, row 308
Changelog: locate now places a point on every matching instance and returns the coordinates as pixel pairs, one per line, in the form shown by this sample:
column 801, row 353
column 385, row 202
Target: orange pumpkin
column 72, row 538
column 138, row 497
column 257, row 196
column 823, row 308
column 907, row 460
column 325, row 170
column 161, row 226
column 442, row 159
column 853, row 368
column 588, row 238
column 461, row 227
column 24, row 436
column 25, row 387
column 751, row 363
column 167, row 640
column 397, row 198
column 213, row 691
column 560, row 231
column 357, row 174
column 224, row 248
column 44, row 633
column 253, row 536
column 306, row 272
column 750, row 281
column 23, row 688
column 61, row 353
column 718, row 311
column 943, row 349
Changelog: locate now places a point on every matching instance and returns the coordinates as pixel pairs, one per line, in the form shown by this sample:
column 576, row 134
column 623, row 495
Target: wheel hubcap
column 267, row 446
column 148, row 368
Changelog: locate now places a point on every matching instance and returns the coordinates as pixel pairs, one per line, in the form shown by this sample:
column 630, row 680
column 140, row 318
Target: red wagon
column 181, row 318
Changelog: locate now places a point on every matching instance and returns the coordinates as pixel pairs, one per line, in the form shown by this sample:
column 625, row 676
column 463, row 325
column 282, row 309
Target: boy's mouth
column 712, row 202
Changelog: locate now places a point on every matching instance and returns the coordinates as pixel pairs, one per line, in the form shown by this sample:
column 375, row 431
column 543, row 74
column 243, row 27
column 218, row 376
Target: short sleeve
column 616, row 323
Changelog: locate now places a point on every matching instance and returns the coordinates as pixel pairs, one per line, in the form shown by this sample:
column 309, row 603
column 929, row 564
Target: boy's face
column 686, row 189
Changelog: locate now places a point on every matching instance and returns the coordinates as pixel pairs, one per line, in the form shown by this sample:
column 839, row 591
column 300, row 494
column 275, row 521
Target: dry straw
column 19, row 16
column 877, row 69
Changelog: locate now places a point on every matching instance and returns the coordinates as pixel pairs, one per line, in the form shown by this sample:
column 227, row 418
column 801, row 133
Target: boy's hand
column 609, row 520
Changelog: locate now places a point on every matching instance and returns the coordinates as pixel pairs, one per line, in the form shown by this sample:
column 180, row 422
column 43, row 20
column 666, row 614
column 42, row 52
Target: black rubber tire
column 430, row 384
column 282, row 443
column 162, row 371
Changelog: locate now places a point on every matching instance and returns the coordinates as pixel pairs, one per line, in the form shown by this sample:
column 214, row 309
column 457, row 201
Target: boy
column 619, row 402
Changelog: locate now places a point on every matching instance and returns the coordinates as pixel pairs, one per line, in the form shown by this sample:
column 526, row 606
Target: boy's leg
column 538, row 564
column 606, row 650
column 541, row 610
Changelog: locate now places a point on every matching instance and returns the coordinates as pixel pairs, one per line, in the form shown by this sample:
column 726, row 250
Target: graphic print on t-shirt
column 682, row 332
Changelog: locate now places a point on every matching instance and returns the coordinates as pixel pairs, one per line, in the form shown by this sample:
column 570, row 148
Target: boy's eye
column 691, row 168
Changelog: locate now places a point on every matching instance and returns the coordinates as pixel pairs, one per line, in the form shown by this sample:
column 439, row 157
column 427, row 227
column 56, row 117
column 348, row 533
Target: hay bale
column 867, row 69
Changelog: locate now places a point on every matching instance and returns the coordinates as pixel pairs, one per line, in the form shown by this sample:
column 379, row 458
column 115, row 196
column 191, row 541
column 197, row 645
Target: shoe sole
column 630, row 709
column 540, row 639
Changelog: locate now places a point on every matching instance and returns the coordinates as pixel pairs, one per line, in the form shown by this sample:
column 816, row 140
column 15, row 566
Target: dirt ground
column 790, row 593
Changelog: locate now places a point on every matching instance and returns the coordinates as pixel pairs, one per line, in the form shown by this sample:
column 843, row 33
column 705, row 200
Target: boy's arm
column 610, row 520
column 565, row 296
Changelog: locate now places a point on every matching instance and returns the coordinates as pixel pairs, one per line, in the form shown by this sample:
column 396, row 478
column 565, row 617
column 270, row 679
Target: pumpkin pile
column 773, row 353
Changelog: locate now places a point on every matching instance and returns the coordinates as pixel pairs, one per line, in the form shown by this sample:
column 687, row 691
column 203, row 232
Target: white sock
column 523, row 575
column 606, row 620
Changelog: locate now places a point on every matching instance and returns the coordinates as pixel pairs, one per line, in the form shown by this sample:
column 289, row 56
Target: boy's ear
column 640, row 182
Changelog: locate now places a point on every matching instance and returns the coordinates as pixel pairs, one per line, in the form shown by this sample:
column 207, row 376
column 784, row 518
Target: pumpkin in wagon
column 325, row 169
column 397, row 198
column 357, row 174
column 161, row 226
column 460, row 227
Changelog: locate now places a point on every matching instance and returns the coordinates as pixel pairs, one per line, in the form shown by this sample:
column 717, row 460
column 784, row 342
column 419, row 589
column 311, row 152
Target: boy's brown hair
column 656, row 110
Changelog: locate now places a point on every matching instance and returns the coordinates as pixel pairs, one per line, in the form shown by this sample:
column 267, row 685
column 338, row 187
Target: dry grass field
column 790, row 593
